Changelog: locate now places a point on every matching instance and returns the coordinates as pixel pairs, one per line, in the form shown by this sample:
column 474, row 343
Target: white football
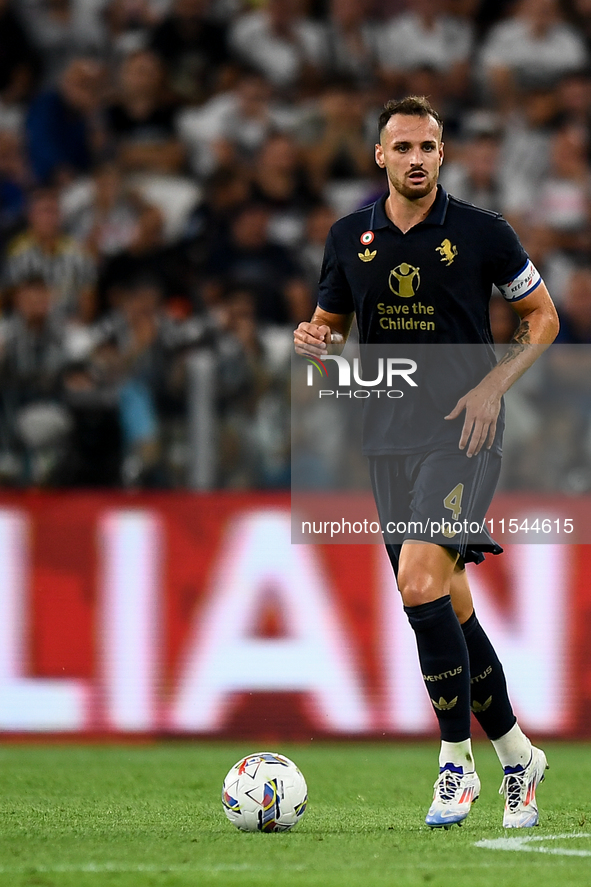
column 264, row 792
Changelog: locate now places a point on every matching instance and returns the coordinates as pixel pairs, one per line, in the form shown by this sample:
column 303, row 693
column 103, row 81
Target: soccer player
column 419, row 246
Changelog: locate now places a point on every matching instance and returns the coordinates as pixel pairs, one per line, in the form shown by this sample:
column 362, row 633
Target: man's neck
column 35, row 326
column 428, row 21
column 48, row 244
column 407, row 213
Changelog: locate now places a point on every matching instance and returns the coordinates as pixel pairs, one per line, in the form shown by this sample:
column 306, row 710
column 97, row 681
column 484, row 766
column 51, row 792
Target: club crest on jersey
column 447, row 251
column 404, row 280
column 367, row 238
column 367, row 256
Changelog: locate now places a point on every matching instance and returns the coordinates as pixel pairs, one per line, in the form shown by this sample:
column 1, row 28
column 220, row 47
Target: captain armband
column 524, row 283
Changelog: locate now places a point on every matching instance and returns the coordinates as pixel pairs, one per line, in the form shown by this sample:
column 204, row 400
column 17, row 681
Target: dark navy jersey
column 430, row 286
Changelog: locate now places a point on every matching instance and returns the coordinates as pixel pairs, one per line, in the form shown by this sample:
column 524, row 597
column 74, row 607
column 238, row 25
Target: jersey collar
column 436, row 216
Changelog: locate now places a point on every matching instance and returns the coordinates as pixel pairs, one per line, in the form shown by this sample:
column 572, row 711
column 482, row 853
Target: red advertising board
column 194, row 614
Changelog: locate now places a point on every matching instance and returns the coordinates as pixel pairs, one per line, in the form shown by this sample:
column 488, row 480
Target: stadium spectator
column 63, row 129
column 474, row 175
column 351, row 42
column 19, row 61
column 425, row 36
column 575, row 310
column 231, row 127
column 564, row 200
column 254, row 432
column 32, row 346
column 14, row 180
column 311, row 249
column 43, row 249
column 146, row 253
column 225, row 192
column 33, row 355
column 342, row 149
column 525, row 151
column 534, row 47
column 193, row 48
column 141, row 120
column 106, row 222
column 248, row 259
column 128, row 24
column 62, row 30
column 578, row 12
column 173, row 266
column 139, row 353
column 573, row 99
column 280, row 42
column 554, row 264
column 281, row 182
column 485, row 13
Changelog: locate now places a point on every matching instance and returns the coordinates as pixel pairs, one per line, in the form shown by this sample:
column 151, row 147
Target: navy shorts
column 440, row 497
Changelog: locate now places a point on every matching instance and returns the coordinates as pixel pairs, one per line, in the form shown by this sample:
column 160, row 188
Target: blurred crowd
column 169, row 171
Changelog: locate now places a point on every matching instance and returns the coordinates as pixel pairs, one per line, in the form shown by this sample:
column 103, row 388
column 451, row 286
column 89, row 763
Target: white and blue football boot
column 519, row 787
column 455, row 792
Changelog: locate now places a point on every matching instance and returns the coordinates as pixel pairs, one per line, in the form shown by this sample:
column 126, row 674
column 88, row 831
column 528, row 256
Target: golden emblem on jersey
column 447, row 251
column 367, row 256
column 404, row 280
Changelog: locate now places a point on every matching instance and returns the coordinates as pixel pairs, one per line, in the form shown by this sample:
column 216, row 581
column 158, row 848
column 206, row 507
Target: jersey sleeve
column 513, row 272
column 334, row 292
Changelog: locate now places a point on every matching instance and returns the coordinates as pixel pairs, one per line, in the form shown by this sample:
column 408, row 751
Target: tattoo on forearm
column 521, row 334
column 519, row 341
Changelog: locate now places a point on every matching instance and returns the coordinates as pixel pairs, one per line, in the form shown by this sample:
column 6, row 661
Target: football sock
column 457, row 753
column 488, row 687
column 445, row 665
column 514, row 748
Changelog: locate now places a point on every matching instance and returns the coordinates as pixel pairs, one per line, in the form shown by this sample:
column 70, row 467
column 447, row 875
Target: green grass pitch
column 121, row 816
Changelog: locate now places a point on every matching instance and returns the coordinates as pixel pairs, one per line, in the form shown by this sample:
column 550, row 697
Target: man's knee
column 425, row 572
column 419, row 586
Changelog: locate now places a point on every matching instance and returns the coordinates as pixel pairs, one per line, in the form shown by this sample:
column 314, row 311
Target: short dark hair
column 412, row 106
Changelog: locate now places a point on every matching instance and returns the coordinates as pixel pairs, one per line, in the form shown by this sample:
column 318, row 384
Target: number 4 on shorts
column 453, row 500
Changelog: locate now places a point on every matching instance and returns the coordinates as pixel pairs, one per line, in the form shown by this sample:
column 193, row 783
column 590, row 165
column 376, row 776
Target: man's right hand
column 312, row 339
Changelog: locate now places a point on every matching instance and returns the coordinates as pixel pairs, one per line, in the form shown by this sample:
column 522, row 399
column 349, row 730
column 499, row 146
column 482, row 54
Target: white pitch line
column 523, row 844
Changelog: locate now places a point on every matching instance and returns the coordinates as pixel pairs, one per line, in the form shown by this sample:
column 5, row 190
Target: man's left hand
column 482, row 405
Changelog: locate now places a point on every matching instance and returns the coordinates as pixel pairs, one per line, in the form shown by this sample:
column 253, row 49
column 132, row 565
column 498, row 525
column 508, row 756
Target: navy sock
column 489, row 697
column 445, row 665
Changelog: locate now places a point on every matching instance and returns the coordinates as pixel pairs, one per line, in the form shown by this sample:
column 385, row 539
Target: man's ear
column 379, row 156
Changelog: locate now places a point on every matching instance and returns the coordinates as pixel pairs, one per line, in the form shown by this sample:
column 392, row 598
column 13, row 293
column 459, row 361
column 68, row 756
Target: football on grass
column 264, row 792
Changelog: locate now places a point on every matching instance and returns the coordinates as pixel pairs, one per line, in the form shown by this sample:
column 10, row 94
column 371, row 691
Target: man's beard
column 415, row 193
